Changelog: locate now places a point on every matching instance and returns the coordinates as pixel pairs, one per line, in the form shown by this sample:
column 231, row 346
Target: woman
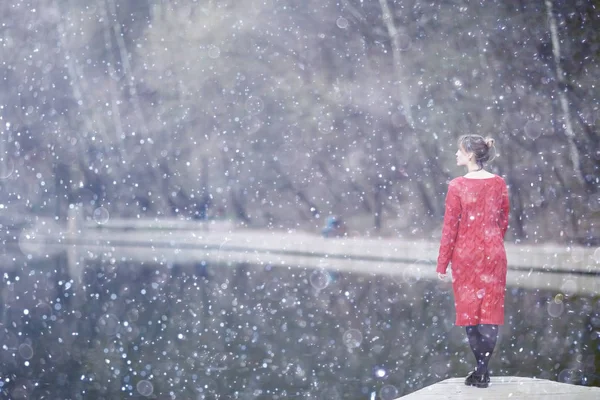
column 475, row 222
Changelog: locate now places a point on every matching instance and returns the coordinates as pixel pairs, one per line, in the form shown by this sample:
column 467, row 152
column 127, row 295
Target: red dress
column 475, row 222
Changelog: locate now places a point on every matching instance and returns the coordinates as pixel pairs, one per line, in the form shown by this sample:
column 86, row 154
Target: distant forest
column 279, row 113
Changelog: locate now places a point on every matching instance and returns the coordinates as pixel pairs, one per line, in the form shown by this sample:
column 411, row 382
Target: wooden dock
column 505, row 387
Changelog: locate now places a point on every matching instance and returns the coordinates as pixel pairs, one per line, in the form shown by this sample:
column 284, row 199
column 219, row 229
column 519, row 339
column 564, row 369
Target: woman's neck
column 475, row 168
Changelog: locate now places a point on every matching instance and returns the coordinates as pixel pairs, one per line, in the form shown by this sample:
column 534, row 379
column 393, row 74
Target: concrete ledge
column 545, row 267
column 569, row 270
column 506, row 387
column 134, row 224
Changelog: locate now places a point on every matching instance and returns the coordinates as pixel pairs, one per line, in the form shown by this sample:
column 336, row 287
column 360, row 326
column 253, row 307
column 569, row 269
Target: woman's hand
column 441, row 276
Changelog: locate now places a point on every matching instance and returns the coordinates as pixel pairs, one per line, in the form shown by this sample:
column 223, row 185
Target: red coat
column 475, row 222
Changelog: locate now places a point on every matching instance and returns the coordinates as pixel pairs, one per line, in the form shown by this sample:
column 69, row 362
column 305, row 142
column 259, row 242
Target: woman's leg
column 488, row 336
column 475, row 343
column 482, row 339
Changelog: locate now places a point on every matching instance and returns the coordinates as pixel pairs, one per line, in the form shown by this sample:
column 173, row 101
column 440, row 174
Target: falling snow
column 243, row 199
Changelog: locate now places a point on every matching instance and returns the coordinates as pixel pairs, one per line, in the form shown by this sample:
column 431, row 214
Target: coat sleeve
column 504, row 210
column 450, row 228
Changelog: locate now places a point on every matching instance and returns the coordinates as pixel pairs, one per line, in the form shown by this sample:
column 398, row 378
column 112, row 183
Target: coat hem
column 479, row 323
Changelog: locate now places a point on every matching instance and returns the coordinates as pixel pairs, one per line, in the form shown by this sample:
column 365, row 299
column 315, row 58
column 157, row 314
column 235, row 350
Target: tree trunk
column 129, row 78
column 515, row 199
column 562, row 96
column 570, row 214
column 378, row 206
column 388, row 19
column 239, row 205
column 204, row 200
column 289, row 185
column 62, row 182
column 429, row 205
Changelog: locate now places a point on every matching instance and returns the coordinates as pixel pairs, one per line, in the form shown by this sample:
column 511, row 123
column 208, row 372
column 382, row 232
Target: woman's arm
column 504, row 210
column 450, row 228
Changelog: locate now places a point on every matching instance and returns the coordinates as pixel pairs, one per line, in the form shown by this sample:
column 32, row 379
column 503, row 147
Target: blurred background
column 288, row 116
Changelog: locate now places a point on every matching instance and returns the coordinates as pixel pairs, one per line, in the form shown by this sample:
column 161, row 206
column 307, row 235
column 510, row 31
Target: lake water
column 200, row 331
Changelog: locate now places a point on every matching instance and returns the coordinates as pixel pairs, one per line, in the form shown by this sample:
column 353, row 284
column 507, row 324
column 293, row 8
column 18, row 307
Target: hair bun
column 489, row 142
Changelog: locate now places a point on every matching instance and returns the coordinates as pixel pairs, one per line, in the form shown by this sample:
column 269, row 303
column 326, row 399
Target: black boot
column 480, row 381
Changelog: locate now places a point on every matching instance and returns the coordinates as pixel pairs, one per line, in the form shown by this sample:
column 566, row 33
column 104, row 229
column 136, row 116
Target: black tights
column 482, row 339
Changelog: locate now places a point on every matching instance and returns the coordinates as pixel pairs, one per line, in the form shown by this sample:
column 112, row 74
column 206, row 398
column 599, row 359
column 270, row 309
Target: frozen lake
column 199, row 330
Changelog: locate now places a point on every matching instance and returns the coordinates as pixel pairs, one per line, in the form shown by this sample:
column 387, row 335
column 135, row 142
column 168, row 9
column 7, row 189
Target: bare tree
column 564, row 101
column 395, row 37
